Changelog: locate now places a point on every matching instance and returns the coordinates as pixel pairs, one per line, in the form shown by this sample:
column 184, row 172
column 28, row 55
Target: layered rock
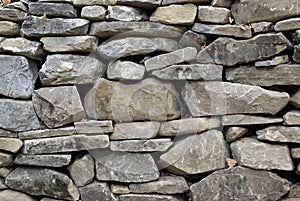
column 233, row 133
column 288, row 25
column 43, row 160
column 125, row 13
column 34, row 134
column 273, row 62
column 213, row 14
column 239, row 119
column 94, row 127
column 140, row 146
column 149, row 197
column 280, row 134
column 11, row 14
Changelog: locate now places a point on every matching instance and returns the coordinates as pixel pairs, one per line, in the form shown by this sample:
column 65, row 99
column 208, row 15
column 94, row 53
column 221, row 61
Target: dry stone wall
column 150, row 100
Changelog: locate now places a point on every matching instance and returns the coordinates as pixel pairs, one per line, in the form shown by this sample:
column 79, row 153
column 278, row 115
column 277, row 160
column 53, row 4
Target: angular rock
column 94, row 127
column 47, row 133
column 292, row 118
column 279, row 134
column 264, row 10
column 152, row 145
column 146, row 4
column 6, row 133
column 213, row 15
column 240, row 119
column 125, row 70
column 11, row 14
column 196, row 154
column 65, row 144
column 295, row 99
column 94, row 13
column 295, row 152
column 94, row 2
column 97, row 192
column 4, row 171
column 234, row 133
column 221, row 3
column 207, row 72
column 150, row 197
column 9, row 28
column 295, row 36
column 124, row 167
column 125, row 13
column 294, row 191
column 2, row 185
column 188, row 126
column 262, row 27
column 273, row 62
column 18, row 115
column 10, row 195
column 192, row 39
column 240, row 184
column 296, row 55
column 57, row 106
column 264, row 157
column 36, row 26
column 10, row 144
column 164, row 60
column 20, row 5
column 6, row 159
column 52, row 9
column 227, row 51
column 43, row 160
column 42, row 182
column 135, row 130
column 288, row 25
column 205, row 98
column 119, row 189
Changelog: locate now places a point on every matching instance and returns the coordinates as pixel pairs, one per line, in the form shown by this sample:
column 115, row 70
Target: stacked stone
column 152, row 100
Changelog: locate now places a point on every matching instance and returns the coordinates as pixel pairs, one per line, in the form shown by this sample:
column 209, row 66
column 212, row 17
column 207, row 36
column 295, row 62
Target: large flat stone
column 52, row 9
column 6, row 159
column 125, row 13
column 152, row 145
column 240, row 119
column 97, row 192
column 213, row 14
column 47, row 133
column 292, row 118
column 11, row 14
column 150, row 197
column 94, row 127
column 10, row 144
column 280, row 134
column 10, row 195
column 9, row 28
column 43, row 160
column 288, row 25
column 125, row 70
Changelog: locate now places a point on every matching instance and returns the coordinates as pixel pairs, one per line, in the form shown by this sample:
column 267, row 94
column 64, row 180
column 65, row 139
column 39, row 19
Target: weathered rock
column 36, row 26
column 264, row 10
column 273, row 62
column 288, row 25
column 20, row 5
column 240, row 119
column 43, row 160
column 10, row 195
column 97, row 192
column 94, row 127
column 4, row 171
column 94, row 13
column 205, row 98
column 124, row 167
column 10, row 144
column 125, row 70
column 152, row 145
column 169, row 14
column 264, row 157
column 165, row 185
column 296, row 55
column 295, row 99
column 240, row 184
column 94, row 2
column 47, row 133
column 280, row 134
column 6, row 133
column 213, row 15
column 164, row 60
column 192, row 39
column 294, row 191
column 234, row 133
column 221, row 3
column 146, row 4
column 9, row 28
column 82, row 170
column 18, row 115
column 295, row 152
column 119, row 189
column 57, row 106
column 135, row 130
column 52, row 9
column 292, row 118
column 6, row 159
column 262, row 27
column 125, row 13
column 2, row 185
column 227, row 51
column 65, row 144
column 150, row 197
column 196, row 154
column 188, row 126
column 14, row 15
column 207, row 72
column 295, row 36
column 41, row 182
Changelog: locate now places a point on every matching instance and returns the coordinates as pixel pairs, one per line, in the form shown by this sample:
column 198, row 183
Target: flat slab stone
column 150, row 197
column 295, row 99
column 81, row 3
column 6, row 133
column 6, row 159
column 292, row 118
column 264, row 157
column 47, row 133
column 196, row 154
column 65, row 144
column 94, row 127
column 125, row 70
column 205, row 98
column 288, row 25
column 125, row 13
column 97, row 192
column 213, row 14
column 9, row 28
column 13, row 15
column 119, row 188
column 152, row 145
column 273, row 62
column 146, row 4
column 279, row 134
column 259, row 27
column 10, row 144
column 240, row 119
column 233, row 133
column 295, row 153
column 10, row 195
column 43, row 160
column 93, row 13
column 240, row 184
column 52, row 9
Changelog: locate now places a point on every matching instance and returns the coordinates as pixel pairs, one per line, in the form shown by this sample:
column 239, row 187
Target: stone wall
column 150, row 100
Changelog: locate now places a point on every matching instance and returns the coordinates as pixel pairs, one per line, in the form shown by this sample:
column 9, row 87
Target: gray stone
column 295, row 36
column 11, row 14
column 188, row 126
column 94, row 13
column 294, row 192
column 152, row 145
column 168, row 2
column 240, row 119
column 50, row 199
column 213, row 14
column 233, row 133
column 192, row 39
column 135, row 130
column 36, row 26
column 47, row 133
column 124, row 167
column 295, row 152
column 221, row 3
column 125, row 70
column 288, row 25
column 52, row 9
column 207, row 72
column 82, row 170
column 146, row 4
column 42, row 182
column 205, row 98
column 119, row 189
column 264, row 10
column 227, row 51
column 17, row 76
column 295, row 99
column 57, row 106
column 43, row 160
column 2, row 185
column 169, row 14
column 97, row 192
column 10, row 195
column 94, row 2
column 264, row 157
column 10, row 144
column 298, row 169
column 165, row 185
column 17, row 115
column 9, row 28
column 292, row 118
column 273, row 62
column 196, row 154
column 259, row 27
column 6, row 159
column 150, row 197
column 6, row 133
column 94, row 127
column 296, row 55
column 164, row 60
column 280, row 134
column 65, row 144
column 4, row 171
column 20, row 5
column 240, row 184
column 125, row 13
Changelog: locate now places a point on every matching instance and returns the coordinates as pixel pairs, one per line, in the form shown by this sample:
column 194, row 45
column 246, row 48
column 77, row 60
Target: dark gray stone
column 43, row 160
column 152, row 145
column 125, row 13
column 6, row 159
column 240, row 119
column 292, row 118
column 10, row 144
column 97, row 192
column 296, row 54
column 52, row 9
column 10, row 195
column 94, row 127
column 192, row 39
column 46, row 133
column 150, row 197
column 234, row 133
column 9, row 28
column 288, row 25
column 273, row 62
column 280, row 134
column 11, row 14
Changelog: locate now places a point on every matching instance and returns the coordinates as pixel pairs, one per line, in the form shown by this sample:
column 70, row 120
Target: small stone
column 43, row 160
column 125, row 70
column 169, row 14
column 273, row 62
column 296, row 55
column 295, row 152
column 20, row 5
column 292, row 118
column 295, row 36
column 150, row 197
column 10, row 195
column 94, row 2
column 264, row 157
column 295, row 99
column 279, row 134
column 125, row 13
column 152, row 145
column 52, row 9
column 9, row 28
column 119, row 189
column 146, row 4
column 10, row 144
column 4, row 171
column 192, row 39
column 288, row 25
column 47, row 133
column 262, row 27
column 6, row 159
column 233, row 133
column 94, row 13
column 294, row 191
column 221, row 3
column 97, row 192
column 2, row 185
column 11, row 14
column 213, row 15
column 6, row 133
column 240, row 119
column 94, row 127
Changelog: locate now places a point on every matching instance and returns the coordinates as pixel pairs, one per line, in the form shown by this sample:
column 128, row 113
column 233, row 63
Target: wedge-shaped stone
column 146, row 4
column 295, row 152
column 196, row 154
column 124, row 167
column 288, row 25
column 262, row 27
column 10, row 144
column 97, row 192
column 11, row 14
column 9, row 28
column 213, row 14
column 43, row 160
column 227, row 51
column 52, row 9
column 273, row 62
column 295, row 99
column 292, row 118
column 152, row 145
column 36, row 26
column 65, row 144
column 259, row 155
column 125, row 13
column 6, row 159
column 264, row 10
column 240, row 184
column 218, row 98
column 279, row 134
column 96, row 13
column 234, row 133
column 94, row 127
column 42, row 182
column 125, row 70
column 241, row 119
column 47, row 133
column 94, row 2
column 150, row 197
column 10, row 195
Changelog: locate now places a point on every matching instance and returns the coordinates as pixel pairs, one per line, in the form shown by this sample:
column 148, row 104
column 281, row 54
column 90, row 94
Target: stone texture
column 9, row 28
column 169, row 14
column 50, row 199
column 292, row 118
column 240, row 184
column 296, row 54
column 294, row 191
column 65, row 144
column 97, row 192
column 4, row 171
column 146, row 4
column 14, row 15
column 267, row 156
column 42, row 182
column 57, row 106
column 10, row 195
column 119, row 189
column 52, row 9
column 298, row 169
column 295, row 36
column 36, row 26
column 196, row 154
column 221, row 3
column 288, row 25
column 295, row 152
column 273, row 62
column 47, row 133
column 125, row 70
column 6, row 133
column 280, row 134
column 94, row 127
column 10, row 144
column 192, row 39
column 93, row 2
column 295, row 99
column 205, row 98
column 227, row 51
column 213, row 14
column 259, row 27
column 233, row 133
column 150, row 197
column 125, row 13
column 18, row 115
column 43, row 160
column 6, row 159
column 21, row 5
column 2, row 185
column 240, row 119
column 152, row 145
column 94, row 13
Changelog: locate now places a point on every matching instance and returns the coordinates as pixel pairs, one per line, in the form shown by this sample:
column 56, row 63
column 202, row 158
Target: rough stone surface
column 93, row 13
column 119, row 189
column 240, row 119
column 9, row 28
column 280, row 134
column 292, row 118
column 146, row 4
column 10, row 144
column 294, row 191
column 152, row 145
column 288, row 25
column 273, row 62
column 295, row 99
column 240, row 184
column 192, row 39
column 94, row 127
column 10, row 195
column 4, row 171
column 125, row 70
column 295, row 152
column 221, row 3
column 41, row 182
column 125, row 13
column 296, row 55
column 47, row 133
column 150, row 197
column 213, row 14
column 295, row 36
column 259, row 27
column 11, row 14
column 267, row 156
column 6, row 133
column 52, row 9
column 2, row 185
column 97, row 192
column 233, row 133
column 80, row 3
column 43, row 160
column 6, row 159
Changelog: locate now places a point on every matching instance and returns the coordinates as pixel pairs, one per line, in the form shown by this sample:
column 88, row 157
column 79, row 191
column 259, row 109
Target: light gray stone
column 295, row 99
column 94, row 127
column 97, row 192
column 192, row 39
column 146, row 4
column 273, row 62
column 221, row 3
column 140, row 146
column 296, row 54
column 10, row 144
column 13, row 15
column 213, row 14
column 10, row 195
column 9, row 28
column 280, row 134
column 6, row 159
column 43, row 160
column 81, row 3
column 150, row 197
column 233, row 133
column 4, row 171
column 292, row 118
column 6, row 133
column 295, row 152
column 125, row 70
column 93, row 13
column 259, row 27
column 47, row 133
column 119, row 189
column 240, row 119
column 125, row 13
column 52, row 9
column 288, row 25
column 294, row 192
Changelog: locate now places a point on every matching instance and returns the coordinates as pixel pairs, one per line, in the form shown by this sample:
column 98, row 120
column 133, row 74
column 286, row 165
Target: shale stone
column 213, row 15
column 52, row 9
column 279, row 134
column 10, row 144
column 273, row 62
column 97, row 192
column 240, row 119
column 234, row 133
column 125, row 13
column 288, row 25
column 94, row 127
column 6, row 159
column 152, row 145
column 47, row 133
column 150, row 197
column 9, row 28
column 11, row 14
column 93, row 13
column 125, row 70
column 292, row 118
column 10, row 195
column 43, row 160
